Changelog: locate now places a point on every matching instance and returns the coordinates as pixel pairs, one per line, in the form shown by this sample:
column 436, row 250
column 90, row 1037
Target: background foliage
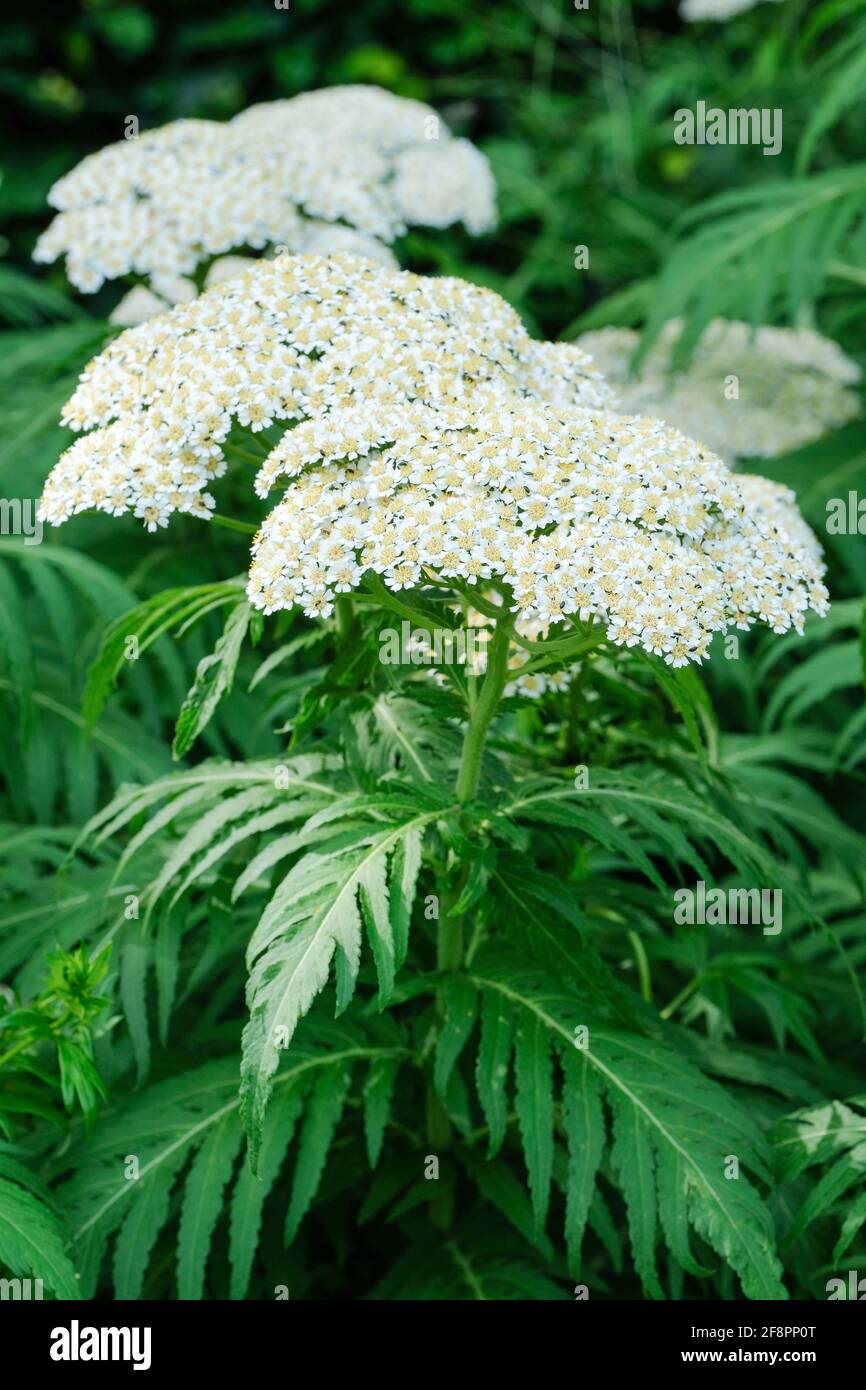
column 120, row 1035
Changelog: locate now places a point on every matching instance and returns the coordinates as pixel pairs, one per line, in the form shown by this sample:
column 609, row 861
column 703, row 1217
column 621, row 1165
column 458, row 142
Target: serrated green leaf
column 533, row 1071
column 213, row 679
column 32, row 1242
column 321, row 1118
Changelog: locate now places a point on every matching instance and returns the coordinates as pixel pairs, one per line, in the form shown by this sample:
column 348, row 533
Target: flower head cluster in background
column 746, row 393
column 715, row 9
column 344, row 169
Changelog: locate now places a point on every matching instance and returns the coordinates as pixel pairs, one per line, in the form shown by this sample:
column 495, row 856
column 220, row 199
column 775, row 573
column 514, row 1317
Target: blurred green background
column 573, row 107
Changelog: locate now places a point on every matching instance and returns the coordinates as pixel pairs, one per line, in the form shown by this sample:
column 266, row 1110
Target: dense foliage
column 327, row 979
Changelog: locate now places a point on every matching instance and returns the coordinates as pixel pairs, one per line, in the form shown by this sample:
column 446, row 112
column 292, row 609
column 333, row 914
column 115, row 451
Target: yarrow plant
column 746, row 393
column 394, row 678
column 345, row 169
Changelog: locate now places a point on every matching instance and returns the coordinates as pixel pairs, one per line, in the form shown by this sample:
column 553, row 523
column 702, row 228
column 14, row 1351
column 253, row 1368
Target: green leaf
column 322, row 1116
column 583, row 1122
column 32, row 1242
column 666, row 1112
column 135, row 963
column 737, row 242
column 213, row 679
column 203, row 1203
column 855, row 1218
column 378, row 1090
column 251, row 1188
column 814, row 1136
column 458, row 1007
column 138, row 629
column 313, row 919
column 688, row 697
column 632, row 1159
column 497, row 1183
column 533, row 1069
column 491, row 1072
column 141, row 1226
column 27, row 300
column 164, row 1127
column 673, row 1213
column 842, row 91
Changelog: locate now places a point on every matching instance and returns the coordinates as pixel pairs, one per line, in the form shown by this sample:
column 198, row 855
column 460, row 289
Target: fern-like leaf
column 666, row 1112
column 32, row 1242
column 313, row 919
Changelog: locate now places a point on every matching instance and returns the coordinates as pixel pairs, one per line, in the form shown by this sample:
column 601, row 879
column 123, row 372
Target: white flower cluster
column 290, row 339
column 431, row 439
column 746, row 393
column 344, row 169
column 715, row 9
column 601, row 516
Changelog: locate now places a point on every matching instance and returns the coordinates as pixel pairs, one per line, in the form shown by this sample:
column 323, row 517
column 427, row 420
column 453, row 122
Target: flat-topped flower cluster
column 291, row 339
column 431, row 439
column 746, row 393
column 344, row 169
column 584, row 514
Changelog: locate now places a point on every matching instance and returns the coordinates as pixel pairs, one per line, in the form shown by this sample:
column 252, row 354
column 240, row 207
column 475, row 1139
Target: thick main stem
column 449, row 946
column 485, row 708
column 345, row 615
column 449, row 953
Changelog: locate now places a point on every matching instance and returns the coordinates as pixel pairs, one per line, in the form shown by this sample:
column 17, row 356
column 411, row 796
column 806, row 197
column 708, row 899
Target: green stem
column 449, row 949
column 439, row 1137
column 430, row 622
column 449, row 946
column 230, row 524
column 20, row 1046
column 485, row 707
column 345, row 615
column 840, row 271
column 642, row 963
column 557, row 656
column 245, row 455
column 680, row 998
column 476, row 600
